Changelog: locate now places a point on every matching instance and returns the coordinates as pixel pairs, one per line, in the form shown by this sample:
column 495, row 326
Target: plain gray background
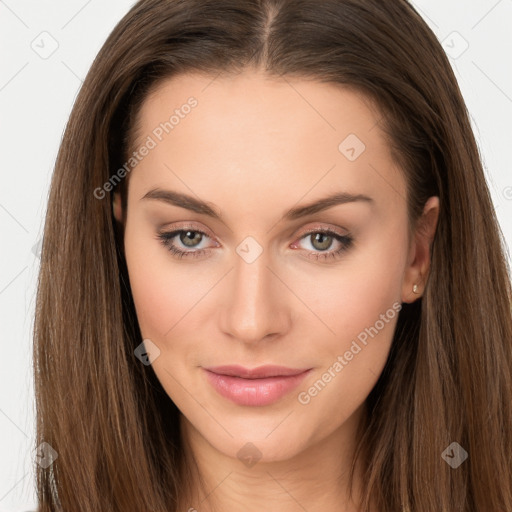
column 46, row 51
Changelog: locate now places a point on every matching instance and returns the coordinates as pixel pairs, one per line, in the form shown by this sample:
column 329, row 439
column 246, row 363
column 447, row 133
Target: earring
column 415, row 288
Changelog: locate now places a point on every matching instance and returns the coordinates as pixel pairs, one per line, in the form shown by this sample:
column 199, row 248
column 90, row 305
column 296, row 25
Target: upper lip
column 259, row 372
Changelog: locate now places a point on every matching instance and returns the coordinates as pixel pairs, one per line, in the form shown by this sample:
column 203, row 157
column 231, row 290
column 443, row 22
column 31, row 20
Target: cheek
column 162, row 294
column 352, row 295
column 360, row 303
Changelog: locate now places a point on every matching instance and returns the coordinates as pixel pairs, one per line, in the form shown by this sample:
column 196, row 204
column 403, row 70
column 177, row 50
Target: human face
column 257, row 286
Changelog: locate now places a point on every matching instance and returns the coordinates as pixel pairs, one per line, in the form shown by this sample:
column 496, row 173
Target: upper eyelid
column 329, row 231
column 314, row 229
column 186, row 227
column 319, row 229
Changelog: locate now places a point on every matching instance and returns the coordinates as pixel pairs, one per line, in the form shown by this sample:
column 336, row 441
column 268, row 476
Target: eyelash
column 166, row 237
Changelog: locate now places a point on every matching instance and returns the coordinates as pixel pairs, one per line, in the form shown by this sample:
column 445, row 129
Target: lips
column 259, row 386
column 260, row 372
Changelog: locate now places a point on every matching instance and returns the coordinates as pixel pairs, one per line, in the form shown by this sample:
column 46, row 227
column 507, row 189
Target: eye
column 322, row 240
column 178, row 240
column 186, row 243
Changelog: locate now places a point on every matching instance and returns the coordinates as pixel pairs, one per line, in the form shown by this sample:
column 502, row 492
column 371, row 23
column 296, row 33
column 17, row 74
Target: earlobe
column 416, row 273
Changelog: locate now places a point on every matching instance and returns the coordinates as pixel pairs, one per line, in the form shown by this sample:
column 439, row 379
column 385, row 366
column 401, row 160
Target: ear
column 117, row 207
column 418, row 261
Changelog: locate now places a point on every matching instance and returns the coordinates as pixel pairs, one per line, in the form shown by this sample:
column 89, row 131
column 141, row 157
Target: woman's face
column 266, row 270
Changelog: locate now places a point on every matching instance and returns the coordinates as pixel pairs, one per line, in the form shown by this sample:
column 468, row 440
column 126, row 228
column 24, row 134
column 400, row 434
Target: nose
column 257, row 304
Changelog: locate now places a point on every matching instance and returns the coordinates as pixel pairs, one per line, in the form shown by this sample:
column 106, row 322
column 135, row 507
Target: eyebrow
column 196, row 205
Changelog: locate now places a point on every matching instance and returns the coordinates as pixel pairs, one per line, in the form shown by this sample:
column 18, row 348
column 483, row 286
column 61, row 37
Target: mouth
column 254, row 387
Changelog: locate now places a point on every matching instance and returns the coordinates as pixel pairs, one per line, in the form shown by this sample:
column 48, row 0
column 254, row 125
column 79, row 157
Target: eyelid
column 183, row 226
column 323, row 227
column 174, row 226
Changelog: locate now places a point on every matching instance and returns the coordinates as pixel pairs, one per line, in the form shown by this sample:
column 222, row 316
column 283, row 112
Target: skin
column 253, row 148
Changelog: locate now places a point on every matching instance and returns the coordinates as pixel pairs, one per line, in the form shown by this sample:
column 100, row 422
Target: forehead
column 258, row 135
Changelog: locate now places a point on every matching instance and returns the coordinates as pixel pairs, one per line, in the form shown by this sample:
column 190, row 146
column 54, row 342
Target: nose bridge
column 255, row 307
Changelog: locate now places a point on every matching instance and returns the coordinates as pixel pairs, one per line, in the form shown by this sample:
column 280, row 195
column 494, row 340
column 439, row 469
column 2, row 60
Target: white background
column 36, row 96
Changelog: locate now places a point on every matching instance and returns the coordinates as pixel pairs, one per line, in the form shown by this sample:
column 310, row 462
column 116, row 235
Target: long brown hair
column 448, row 375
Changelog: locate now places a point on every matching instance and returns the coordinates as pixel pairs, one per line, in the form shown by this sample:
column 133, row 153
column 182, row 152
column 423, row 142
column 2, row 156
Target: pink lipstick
column 259, row 386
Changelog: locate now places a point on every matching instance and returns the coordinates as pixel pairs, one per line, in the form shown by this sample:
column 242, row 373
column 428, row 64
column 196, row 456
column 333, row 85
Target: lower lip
column 254, row 392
